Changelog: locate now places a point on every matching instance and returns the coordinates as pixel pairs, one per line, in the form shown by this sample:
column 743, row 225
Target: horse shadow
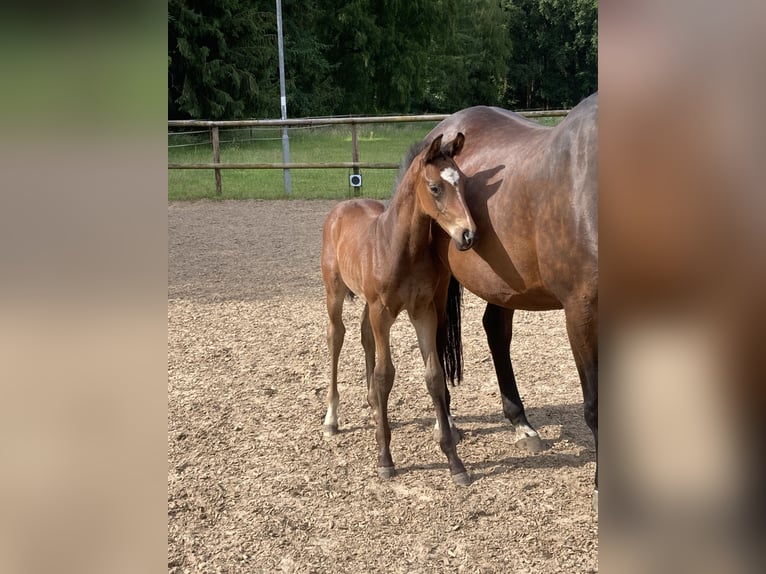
column 568, row 416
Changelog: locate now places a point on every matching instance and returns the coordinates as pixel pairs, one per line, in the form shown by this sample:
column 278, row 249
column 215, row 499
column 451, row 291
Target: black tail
column 452, row 348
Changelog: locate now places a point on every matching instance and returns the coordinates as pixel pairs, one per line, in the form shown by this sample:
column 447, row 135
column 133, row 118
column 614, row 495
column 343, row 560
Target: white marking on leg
column 451, row 423
column 524, row 431
column 331, row 418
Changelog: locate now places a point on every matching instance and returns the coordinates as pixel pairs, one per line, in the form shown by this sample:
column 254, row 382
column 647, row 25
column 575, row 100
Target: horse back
column 573, row 172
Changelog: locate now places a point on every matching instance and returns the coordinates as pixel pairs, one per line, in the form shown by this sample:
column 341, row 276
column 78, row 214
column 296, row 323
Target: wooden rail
column 355, row 165
column 307, row 122
column 297, row 165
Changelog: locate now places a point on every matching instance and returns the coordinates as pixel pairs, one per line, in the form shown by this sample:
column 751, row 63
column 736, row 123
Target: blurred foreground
column 682, row 280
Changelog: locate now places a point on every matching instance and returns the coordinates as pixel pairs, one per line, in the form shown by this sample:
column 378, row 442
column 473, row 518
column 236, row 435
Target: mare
column 533, row 193
column 386, row 256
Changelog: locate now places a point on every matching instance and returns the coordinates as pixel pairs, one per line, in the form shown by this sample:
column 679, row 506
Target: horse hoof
column 461, row 479
column 386, row 472
column 329, row 430
column 531, row 444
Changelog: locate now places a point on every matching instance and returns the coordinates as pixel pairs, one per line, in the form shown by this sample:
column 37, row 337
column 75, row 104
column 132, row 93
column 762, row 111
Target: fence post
column 217, row 159
column 355, row 155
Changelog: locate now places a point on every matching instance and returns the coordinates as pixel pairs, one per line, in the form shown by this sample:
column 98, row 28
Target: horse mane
column 409, row 157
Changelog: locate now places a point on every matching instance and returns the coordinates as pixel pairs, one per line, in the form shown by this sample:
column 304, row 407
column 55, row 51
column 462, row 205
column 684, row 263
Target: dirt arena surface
column 254, row 487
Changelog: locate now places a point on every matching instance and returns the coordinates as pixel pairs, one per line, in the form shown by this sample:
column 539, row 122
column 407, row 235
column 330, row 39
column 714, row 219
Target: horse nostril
column 468, row 236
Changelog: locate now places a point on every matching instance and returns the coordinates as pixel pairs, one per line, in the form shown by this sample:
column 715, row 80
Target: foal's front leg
column 425, row 323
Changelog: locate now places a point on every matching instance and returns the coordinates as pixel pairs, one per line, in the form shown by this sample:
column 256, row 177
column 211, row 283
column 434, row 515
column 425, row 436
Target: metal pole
column 283, row 99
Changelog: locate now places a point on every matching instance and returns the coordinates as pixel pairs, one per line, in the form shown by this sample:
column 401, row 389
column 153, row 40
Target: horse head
column 441, row 191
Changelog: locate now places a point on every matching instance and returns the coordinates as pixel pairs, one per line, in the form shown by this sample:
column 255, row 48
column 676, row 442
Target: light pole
column 283, row 100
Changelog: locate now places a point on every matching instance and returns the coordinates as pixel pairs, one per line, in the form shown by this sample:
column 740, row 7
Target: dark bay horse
column 386, row 256
column 533, row 193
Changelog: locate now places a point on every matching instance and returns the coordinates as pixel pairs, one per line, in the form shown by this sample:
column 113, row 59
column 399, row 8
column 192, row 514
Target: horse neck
column 406, row 226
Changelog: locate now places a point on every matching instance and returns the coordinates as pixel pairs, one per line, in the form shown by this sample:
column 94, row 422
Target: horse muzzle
column 466, row 240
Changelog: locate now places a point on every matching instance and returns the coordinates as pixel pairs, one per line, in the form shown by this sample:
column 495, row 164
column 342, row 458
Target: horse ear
column 454, row 147
column 434, row 150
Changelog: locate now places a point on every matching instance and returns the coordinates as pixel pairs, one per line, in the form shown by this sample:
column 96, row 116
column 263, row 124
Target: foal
column 386, row 257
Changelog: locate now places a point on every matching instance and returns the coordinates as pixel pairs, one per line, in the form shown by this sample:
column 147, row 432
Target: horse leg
column 457, row 435
column 336, row 291
column 498, row 325
column 382, row 382
column 441, row 344
column 425, row 324
column 368, row 344
column 582, row 327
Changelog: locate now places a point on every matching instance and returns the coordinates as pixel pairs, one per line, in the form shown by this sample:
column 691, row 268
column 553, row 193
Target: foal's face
column 441, row 191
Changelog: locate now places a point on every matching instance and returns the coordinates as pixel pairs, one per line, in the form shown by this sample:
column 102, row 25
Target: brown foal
column 386, row 256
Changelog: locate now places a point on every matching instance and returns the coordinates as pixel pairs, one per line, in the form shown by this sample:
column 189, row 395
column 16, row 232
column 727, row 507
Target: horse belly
column 349, row 237
column 501, row 285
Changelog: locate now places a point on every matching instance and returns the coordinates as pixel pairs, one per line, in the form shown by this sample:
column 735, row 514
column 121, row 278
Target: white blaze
column 451, row 175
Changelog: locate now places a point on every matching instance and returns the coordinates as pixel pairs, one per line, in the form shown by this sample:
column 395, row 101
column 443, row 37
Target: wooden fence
column 354, row 164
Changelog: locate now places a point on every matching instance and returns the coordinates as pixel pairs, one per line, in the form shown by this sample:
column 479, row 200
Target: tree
column 350, row 31
column 555, row 55
column 222, row 59
column 407, row 29
column 468, row 62
column 379, row 50
column 378, row 56
column 311, row 87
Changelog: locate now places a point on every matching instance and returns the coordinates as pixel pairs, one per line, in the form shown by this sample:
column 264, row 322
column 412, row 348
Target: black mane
column 411, row 154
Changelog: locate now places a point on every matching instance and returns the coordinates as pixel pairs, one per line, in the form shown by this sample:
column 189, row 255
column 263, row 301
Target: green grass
column 377, row 143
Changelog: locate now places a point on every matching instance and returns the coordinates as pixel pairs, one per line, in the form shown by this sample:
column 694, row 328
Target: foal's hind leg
column 336, row 291
column 498, row 325
column 381, row 383
column 368, row 344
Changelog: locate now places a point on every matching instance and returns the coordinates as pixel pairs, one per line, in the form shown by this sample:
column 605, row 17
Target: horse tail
column 452, row 355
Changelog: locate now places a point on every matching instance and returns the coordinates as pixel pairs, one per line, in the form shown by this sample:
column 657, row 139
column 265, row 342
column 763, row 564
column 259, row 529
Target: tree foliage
column 378, row 56
column 222, row 59
column 468, row 62
column 555, row 52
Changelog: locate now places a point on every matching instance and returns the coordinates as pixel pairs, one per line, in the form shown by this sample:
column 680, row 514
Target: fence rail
column 297, row 165
column 355, row 165
column 338, row 120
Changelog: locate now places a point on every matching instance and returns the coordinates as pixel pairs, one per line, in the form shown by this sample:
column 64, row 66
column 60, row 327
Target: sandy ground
column 254, row 487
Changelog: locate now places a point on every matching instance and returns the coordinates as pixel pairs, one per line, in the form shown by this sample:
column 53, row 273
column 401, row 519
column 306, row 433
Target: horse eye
column 435, row 189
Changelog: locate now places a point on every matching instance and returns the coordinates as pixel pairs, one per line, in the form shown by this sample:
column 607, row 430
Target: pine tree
column 222, row 59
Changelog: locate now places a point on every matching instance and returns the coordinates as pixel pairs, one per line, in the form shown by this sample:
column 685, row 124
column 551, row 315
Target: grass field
column 377, row 143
